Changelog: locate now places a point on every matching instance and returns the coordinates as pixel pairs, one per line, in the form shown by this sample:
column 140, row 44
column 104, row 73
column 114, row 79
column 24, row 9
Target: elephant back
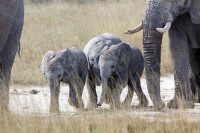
column 81, row 59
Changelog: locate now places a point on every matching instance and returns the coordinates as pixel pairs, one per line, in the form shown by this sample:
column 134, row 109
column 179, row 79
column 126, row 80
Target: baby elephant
column 121, row 65
column 67, row 66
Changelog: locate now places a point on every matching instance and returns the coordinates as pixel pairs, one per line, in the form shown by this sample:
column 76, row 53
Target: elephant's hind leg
column 141, row 96
column 73, row 101
column 127, row 102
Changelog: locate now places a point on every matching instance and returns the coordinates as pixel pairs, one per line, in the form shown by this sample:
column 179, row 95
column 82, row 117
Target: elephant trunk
column 152, row 40
column 104, row 79
column 54, row 99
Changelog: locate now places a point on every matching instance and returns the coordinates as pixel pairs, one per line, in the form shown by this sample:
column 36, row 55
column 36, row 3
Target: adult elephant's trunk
column 152, row 40
column 54, row 98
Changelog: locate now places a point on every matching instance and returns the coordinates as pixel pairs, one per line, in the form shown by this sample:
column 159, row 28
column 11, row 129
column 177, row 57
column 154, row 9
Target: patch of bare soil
column 36, row 100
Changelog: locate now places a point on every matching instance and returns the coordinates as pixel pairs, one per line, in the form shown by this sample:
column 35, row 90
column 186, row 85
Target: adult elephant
column 182, row 19
column 11, row 24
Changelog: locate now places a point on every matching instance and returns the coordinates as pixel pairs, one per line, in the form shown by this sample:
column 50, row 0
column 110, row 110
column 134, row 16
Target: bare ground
column 22, row 100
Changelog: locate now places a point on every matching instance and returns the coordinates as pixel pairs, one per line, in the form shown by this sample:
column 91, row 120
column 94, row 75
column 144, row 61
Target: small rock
column 34, row 91
column 15, row 90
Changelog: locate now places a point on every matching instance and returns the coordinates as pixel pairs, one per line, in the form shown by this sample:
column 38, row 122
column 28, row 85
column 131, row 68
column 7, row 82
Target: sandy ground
column 21, row 100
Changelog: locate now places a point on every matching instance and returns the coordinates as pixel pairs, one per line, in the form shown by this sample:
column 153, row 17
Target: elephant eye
column 59, row 76
column 112, row 66
column 92, row 59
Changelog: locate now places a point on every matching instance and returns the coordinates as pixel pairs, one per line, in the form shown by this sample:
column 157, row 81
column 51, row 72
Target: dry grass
column 106, row 123
column 56, row 26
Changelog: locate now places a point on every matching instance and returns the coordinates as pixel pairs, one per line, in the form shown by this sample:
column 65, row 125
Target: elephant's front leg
column 115, row 97
column 92, row 103
column 127, row 102
column 54, row 102
column 195, row 73
column 179, row 51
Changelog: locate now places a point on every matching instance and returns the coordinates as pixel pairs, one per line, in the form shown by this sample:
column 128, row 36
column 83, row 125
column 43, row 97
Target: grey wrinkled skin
column 92, row 51
column 121, row 65
column 68, row 66
column 184, row 44
column 11, row 25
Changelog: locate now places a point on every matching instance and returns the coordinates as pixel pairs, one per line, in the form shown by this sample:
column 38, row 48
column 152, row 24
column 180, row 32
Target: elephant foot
column 81, row 105
column 159, row 105
column 126, row 105
column 183, row 104
column 73, row 103
column 116, row 107
column 143, row 104
column 54, row 111
column 91, row 105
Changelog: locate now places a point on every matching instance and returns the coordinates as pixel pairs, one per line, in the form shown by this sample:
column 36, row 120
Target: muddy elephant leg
column 195, row 73
column 179, row 50
column 92, row 103
column 11, row 28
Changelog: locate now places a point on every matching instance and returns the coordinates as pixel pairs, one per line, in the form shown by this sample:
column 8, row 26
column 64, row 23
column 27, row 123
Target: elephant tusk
column 134, row 30
column 165, row 29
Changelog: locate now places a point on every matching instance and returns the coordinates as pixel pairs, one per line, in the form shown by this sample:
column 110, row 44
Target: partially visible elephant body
column 182, row 19
column 11, row 24
column 67, row 66
column 121, row 65
column 92, row 51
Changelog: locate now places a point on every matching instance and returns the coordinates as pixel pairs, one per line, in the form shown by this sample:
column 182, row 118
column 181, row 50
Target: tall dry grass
column 95, row 123
column 56, row 26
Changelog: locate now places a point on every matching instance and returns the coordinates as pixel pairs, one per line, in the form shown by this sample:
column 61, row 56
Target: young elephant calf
column 121, row 65
column 116, row 66
column 67, row 66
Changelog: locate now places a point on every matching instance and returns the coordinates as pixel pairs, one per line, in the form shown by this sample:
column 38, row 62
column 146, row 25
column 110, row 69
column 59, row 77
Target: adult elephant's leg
column 11, row 24
column 194, row 74
column 92, row 103
column 179, row 50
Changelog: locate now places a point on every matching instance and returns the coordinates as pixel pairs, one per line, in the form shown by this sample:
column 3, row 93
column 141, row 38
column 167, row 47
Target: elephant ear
column 124, row 53
column 195, row 11
column 70, row 64
column 47, row 57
